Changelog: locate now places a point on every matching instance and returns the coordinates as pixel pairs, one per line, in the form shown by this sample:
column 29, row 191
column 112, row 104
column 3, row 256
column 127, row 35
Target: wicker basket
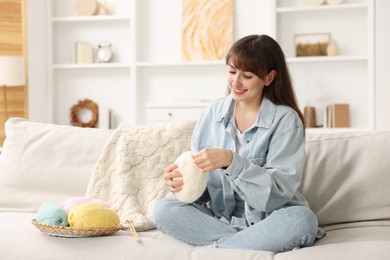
column 59, row 231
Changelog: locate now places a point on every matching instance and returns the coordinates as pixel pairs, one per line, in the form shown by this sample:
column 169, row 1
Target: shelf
column 320, row 130
column 294, row 9
column 180, row 63
column 310, row 59
column 184, row 103
column 92, row 66
column 95, row 18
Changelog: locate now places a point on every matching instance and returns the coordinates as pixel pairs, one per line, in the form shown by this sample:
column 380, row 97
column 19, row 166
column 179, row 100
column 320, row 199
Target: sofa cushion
column 46, row 163
column 21, row 240
column 347, row 176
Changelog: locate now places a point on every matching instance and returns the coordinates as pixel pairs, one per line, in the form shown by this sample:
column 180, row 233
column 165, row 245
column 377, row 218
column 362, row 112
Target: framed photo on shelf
column 312, row 44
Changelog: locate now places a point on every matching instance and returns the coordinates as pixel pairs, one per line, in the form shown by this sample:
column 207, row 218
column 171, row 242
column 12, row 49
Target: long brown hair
column 260, row 54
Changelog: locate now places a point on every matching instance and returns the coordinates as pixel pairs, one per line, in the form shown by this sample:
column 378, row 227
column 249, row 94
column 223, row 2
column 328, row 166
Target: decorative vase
column 309, row 115
column 333, row 48
column 104, row 8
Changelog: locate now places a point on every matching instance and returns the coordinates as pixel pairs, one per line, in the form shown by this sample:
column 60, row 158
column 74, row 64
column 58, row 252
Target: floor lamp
column 12, row 73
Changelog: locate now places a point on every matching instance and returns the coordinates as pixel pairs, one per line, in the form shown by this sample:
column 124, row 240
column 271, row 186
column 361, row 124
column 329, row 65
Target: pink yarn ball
column 72, row 202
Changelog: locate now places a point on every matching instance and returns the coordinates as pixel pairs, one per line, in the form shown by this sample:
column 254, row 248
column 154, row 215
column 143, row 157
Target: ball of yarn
column 92, row 215
column 195, row 181
column 52, row 214
column 70, row 203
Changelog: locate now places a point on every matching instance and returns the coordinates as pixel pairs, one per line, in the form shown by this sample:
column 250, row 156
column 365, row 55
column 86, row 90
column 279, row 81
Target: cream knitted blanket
column 128, row 175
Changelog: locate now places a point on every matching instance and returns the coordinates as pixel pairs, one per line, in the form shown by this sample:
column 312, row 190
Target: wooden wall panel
column 15, row 101
column 12, row 42
column 11, row 39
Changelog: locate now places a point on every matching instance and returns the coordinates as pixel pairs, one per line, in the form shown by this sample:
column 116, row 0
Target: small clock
column 104, row 52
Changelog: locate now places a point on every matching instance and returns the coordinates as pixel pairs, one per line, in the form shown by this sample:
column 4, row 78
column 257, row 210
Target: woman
column 251, row 143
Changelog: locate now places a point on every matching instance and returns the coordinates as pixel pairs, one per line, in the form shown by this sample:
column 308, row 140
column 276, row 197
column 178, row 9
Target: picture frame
column 311, row 44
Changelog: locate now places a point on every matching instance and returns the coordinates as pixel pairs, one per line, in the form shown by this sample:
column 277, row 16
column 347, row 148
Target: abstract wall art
column 207, row 29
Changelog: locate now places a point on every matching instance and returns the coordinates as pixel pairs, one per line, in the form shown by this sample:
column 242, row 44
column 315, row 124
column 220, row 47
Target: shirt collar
column 264, row 118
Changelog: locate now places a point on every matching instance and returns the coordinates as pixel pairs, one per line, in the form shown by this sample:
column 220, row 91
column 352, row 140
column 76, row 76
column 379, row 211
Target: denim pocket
column 259, row 160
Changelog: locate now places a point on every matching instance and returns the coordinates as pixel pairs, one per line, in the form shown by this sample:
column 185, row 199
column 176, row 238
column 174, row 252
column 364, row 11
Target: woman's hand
column 210, row 159
column 173, row 178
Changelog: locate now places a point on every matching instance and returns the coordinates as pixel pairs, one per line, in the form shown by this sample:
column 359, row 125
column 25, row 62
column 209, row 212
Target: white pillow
column 46, row 163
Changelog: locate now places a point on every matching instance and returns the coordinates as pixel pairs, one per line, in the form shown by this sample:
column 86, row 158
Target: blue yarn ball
column 52, row 214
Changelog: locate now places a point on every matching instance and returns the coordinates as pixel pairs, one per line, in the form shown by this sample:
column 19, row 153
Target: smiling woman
column 12, row 42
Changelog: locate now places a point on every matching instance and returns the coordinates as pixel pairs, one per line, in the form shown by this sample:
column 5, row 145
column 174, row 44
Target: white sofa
column 346, row 180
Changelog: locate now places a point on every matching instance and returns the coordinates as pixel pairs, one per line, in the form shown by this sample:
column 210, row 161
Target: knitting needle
column 133, row 231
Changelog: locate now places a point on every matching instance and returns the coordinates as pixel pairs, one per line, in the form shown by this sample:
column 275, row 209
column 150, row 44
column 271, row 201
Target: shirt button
column 247, row 141
column 252, row 223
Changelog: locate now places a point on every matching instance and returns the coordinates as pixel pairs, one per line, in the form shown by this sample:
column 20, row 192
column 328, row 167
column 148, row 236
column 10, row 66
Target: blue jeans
column 281, row 231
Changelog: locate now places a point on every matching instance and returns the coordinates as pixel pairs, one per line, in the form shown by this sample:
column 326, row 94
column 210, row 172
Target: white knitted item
column 129, row 173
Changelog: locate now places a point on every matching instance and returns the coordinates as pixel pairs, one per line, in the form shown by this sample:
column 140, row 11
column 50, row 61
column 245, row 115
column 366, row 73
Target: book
column 336, row 115
column 106, row 118
column 340, row 115
column 328, row 116
column 112, row 121
column 83, row 52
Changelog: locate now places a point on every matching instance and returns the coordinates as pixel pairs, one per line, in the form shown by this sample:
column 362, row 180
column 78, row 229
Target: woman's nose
column 236, row 82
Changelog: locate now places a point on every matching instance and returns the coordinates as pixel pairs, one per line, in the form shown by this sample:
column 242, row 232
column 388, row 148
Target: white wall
column 382, row 71
column 38, row 94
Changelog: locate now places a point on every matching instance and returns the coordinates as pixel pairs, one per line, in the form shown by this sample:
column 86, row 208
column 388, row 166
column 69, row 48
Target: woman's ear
column 270, row 77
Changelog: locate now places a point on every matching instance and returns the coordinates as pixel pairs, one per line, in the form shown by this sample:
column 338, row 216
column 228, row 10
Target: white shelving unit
column 147, row 74
column 322, row 80
column 107, row 84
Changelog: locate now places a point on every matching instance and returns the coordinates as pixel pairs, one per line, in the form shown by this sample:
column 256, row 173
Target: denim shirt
column 265, row 175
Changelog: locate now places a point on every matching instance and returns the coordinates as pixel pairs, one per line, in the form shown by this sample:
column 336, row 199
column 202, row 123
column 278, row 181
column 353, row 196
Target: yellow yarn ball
column 93, row 216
